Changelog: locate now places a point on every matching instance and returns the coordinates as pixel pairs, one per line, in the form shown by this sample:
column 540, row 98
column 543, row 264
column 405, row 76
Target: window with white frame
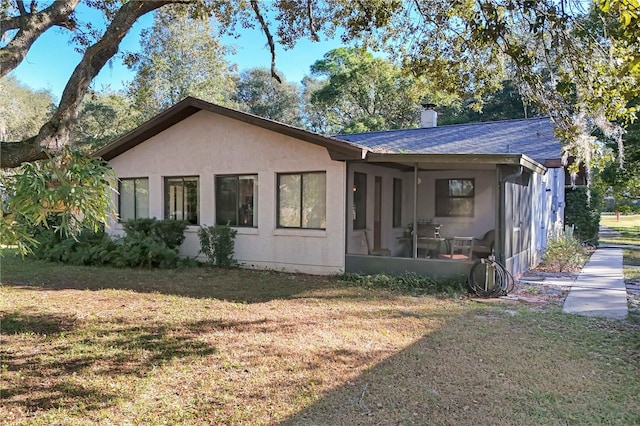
column 237, row 200
column 302, row 200
column 181, row 199
column 133, row 198
column 455, row 197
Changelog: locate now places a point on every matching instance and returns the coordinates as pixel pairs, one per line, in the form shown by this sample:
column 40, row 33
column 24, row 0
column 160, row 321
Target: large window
column 133, row 202
column 181, row 199
column 397, row 203
column 302, row 200
column 237, row 200
column 359, row 200
column 455, row 197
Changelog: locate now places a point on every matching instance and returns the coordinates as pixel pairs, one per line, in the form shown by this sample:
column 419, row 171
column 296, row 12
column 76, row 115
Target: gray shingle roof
column 532, row 137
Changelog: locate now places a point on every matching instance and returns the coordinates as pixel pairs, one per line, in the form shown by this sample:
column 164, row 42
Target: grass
column 83, row 345
column 628, row 226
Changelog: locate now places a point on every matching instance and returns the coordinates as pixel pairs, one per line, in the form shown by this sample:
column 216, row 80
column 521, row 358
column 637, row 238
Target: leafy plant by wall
column 147, row 243
column 564, row 253
column 217, row 243
column 582, row 213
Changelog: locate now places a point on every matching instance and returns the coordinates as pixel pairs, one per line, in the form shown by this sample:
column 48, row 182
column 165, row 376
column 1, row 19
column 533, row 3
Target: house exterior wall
column 548, row 210
column 205, row 145
column 534, row 211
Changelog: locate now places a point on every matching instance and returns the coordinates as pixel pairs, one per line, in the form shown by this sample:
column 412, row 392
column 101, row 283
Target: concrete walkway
column 599, row 290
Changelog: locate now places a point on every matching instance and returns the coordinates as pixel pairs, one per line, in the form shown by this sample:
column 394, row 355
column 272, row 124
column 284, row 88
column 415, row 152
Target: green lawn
column 628, row 226
column 83, row 345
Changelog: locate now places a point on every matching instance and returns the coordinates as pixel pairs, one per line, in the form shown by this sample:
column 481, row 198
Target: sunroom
column 408, row 211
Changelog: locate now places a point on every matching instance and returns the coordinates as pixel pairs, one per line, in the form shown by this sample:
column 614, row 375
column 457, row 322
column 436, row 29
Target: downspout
column 415, row 212
column 502, row 234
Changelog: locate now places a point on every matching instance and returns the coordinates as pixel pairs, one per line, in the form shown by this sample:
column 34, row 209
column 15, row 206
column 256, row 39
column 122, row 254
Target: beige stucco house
column 316, row 204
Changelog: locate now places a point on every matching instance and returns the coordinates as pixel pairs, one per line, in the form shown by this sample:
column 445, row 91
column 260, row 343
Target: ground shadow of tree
column 234, row 285
column 35, row 379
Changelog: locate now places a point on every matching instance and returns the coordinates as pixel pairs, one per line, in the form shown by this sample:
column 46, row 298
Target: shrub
column 168, row 232
column 217, row 243
column 583, row 215
column 147, row 243
column 410, row 282
column 564, row 253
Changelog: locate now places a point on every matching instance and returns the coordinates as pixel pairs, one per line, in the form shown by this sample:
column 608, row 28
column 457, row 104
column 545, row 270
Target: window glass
column 290, row 200
column 455, row 197
column 236, row 200
column 314, row 203
column 181, row 199
column 134, row 198
column 302, row 200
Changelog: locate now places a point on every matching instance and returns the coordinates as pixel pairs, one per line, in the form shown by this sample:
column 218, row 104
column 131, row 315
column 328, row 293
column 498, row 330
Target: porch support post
column 415, row 211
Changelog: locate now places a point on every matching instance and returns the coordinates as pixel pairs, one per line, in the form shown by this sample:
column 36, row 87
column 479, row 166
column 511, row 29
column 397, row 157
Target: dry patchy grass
column 200, row 346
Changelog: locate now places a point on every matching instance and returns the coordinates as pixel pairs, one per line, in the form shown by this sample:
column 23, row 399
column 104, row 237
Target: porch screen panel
column 359, row 200
column 397, row 203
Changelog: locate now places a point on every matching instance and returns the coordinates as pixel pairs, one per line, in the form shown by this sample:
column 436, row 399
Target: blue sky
column 52, row 58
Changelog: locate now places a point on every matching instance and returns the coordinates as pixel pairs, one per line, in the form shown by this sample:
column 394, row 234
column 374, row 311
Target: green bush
column 410, row 282
column 583, row 215
column 564, row 253
column 168, row 232
column 217, row 243
column 147, row 243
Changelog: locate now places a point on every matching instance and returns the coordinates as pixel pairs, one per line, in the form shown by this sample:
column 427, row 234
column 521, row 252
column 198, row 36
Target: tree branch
column 13, row 154
column 55, row 133
column 31, row 26
column 267, row 33
column 312, row 25
column 21, row 8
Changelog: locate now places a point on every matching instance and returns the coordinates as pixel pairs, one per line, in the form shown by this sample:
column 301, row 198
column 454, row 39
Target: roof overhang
column 410, row 160
column 337, row 149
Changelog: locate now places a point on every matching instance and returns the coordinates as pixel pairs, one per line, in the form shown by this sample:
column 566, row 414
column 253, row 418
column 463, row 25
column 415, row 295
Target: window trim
column 215, row 197
column 448, row 197
column 135, row 203
column 166, row 197
column 278, row 198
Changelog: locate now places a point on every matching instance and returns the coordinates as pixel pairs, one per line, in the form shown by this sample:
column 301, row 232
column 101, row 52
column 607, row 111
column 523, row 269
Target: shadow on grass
column 36, row 379
column 503, row 370
column 234, row 285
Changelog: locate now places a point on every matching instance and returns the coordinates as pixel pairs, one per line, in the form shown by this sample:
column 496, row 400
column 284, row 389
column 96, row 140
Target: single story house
column 305, row 202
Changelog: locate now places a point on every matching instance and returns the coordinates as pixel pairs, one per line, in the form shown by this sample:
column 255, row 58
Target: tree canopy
column 360, row 92
column 180, row 56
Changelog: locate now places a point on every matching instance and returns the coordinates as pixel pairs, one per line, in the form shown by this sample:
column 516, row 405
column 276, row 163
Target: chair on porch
column 373, row 251
column 484, row 247
column 461, row 249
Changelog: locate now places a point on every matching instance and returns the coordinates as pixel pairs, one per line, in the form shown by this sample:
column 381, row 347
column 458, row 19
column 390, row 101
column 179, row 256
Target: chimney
column 428, row 116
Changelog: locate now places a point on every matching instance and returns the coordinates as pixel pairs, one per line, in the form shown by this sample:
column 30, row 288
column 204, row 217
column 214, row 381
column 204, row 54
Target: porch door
column 377, row 213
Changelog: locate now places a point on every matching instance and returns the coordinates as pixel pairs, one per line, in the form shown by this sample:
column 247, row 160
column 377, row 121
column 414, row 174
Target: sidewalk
column 599, row 290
